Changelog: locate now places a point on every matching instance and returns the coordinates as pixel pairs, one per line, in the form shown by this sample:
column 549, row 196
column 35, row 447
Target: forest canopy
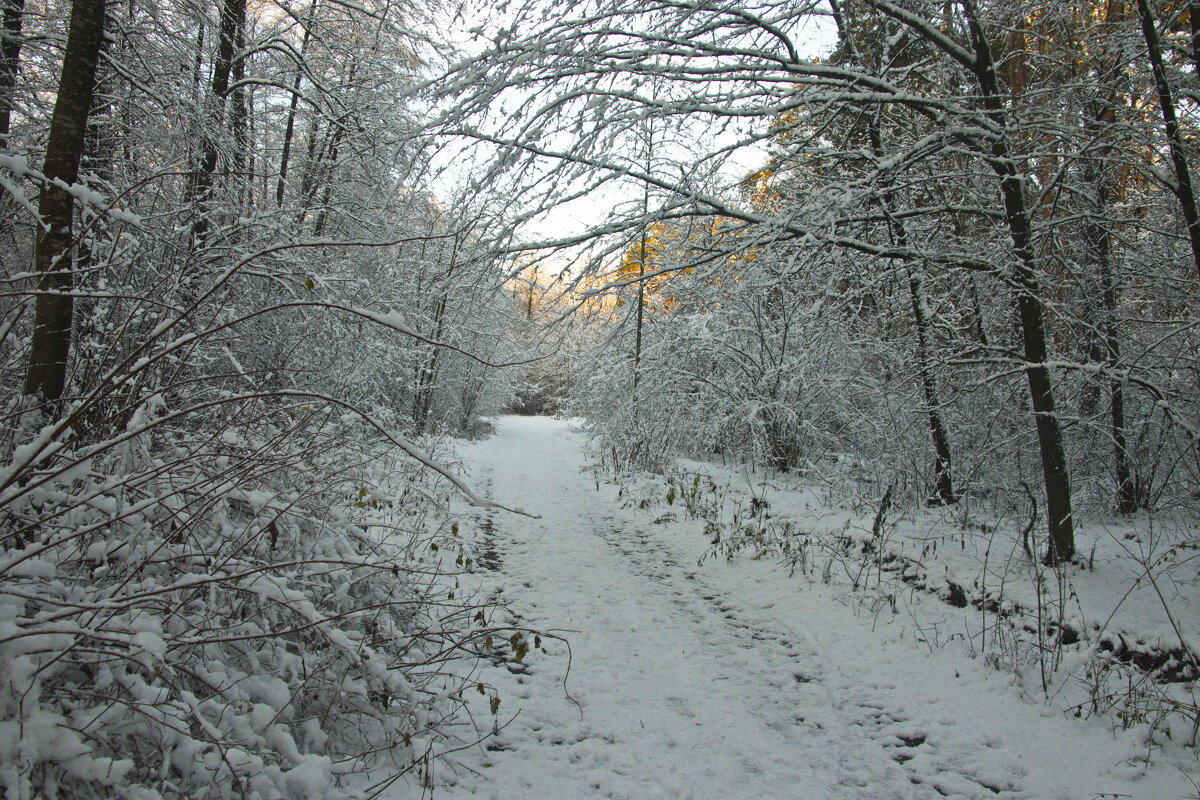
column 967, row 259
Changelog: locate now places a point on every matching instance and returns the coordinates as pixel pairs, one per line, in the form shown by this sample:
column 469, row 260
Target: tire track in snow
column 863, row 707
column 682, row 691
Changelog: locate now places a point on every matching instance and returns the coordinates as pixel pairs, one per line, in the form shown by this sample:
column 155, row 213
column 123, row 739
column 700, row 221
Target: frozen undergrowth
column 255, row 612
column 1111, row 636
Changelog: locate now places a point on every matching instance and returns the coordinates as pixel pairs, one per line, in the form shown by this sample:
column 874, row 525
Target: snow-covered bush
column 782, row 376
column 230, row 608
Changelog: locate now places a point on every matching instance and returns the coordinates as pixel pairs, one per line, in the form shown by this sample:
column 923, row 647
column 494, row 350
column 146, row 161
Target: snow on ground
column 733, row 680
column 1140, row 567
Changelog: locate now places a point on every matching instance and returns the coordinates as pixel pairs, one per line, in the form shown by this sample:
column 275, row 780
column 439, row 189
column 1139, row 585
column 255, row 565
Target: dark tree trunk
column 10, row 59
column 239, row 112
column 1166, row 101
column 641, row 284
column 1127, row 495
column 328, row 175
column 1060, row 522
column 100, row 142
column 943, row 481
column 198, row 64
column 232, row 12
column 428, row 371
column 943, row 464
column 533, row 283
column 1194, row 19
column 1106, row 347
column 639, row 320
column 319, row 175
column 50, row 345
column 977, row 310
column 309, row 179
column 289, row 130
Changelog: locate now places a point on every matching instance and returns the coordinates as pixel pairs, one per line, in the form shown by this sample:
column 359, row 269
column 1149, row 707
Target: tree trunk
column 289, row 130
column 641, row 284
column 1106, row 346
column 977, row 311
column 100, row 141
column 533, row 282
column 10, row 58
column 943, row 481
column 232, row 12
column 198, row 63
column 319, row 175
column 428, row 371
column 1183, row 177
column 1060, row 523
column 1105, row 349
column 239, row 112
column 641, row 312
column 943, row 478
column 1194, row 20
column 46, row 373
column 328, row 174
column 309, row 177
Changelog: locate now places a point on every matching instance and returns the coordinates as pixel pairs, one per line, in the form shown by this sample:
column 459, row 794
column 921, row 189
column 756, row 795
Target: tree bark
column 1060, row 522
column 239, row 113
column 428, row 371
column 943, row 480
column 232, row 13
column 10, row 58
column 289, row 130
column 46, row 372
column 1183, row 189
column 977, row 311
column 640, row 312
column 1194, row 19
column 308, row 179
column 1107, row 349
column 641, row 284
column 1106, row 345
column 328, row 175
column 943, row 464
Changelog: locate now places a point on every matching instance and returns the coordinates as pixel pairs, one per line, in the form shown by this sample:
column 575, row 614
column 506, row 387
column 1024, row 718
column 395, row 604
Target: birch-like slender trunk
column 1030, row 311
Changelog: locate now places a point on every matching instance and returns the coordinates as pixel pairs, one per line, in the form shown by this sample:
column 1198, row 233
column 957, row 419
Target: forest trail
column 724, row 682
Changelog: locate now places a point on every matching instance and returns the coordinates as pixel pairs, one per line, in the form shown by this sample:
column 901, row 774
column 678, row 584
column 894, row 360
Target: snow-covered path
column 728, row 681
